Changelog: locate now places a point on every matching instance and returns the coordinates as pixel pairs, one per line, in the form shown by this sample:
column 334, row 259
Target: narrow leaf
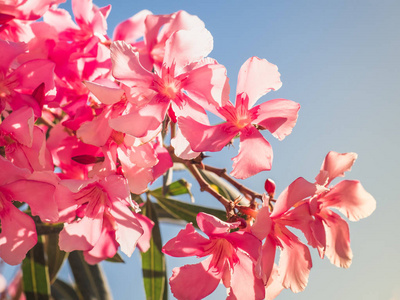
column 61, row 290
column 90, row 279
column 35, row 273
column 153, row 261
column 224, row 188
column 55, row 256
column 116, row 259
column 187, row 211
column 176, row 188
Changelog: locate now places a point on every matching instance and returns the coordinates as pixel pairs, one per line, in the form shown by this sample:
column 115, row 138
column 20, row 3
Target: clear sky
column 341, row 61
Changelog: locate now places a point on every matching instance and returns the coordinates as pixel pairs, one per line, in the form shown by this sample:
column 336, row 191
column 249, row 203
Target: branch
column 243, row 189
column 204, row 186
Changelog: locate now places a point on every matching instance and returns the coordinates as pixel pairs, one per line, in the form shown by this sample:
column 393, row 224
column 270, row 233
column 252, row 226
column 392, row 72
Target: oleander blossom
column 105, row 219
column 231, row 258
column 18, row 231
column 328, row 231
column 256, row 78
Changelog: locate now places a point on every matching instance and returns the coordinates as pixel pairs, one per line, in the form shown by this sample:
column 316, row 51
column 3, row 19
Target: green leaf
column 116, row 259
column 176, row 188
column 153, row 260
column 35, row 273
column 55, row 256
column 224, row 188
column 90, row 279
column 187, row 211
column 61, row 290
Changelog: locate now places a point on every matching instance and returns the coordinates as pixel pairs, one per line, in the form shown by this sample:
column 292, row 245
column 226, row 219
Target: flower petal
column 295, row 192
column 187, row 243
column 82, row 234
column 256, row 78
column 105, row 247
column 337, row 239
column 187, row 46
column 128, row 229
column 206, row 138
column 131, row 29
column 193, row 282
column 255, row 154
column 294, row 263
column 39, row 196
column 334, row 165
column 147, row 226
column 126, row 66
column 279, row 116
column 139, row 121
column 106, row 94
column 209, row 82
column 19, row 124
column 211, row 225
column 18, row 235
column 351, row 199
column 244, row 283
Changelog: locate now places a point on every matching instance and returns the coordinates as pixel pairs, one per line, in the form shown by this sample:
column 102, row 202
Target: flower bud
column 270, row 187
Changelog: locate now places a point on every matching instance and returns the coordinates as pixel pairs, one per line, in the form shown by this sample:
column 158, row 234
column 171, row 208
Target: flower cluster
column 83, row 126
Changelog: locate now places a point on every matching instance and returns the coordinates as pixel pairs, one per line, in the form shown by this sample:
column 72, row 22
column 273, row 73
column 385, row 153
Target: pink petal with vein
column 256, row 78
column 294, row 263
column 351, row 199
column 279, row 116
column 337, row 239
column 334, row 165
column 255, row 154
column 262, row 224
column 97, row 131
column 187, row 46
column 105, row 247
column 126, row 66
column 206, row 138
column 138, row 122
column 39, row 195
column 244, row 284
column 131, row 29
column 128, row 229
column 211, row 225
column 82, row 234
column 20, row 125
column 106, row 94
column 193, row 282
column 9, row 51
column 210, row 83
column 147, row 226
column 18, row 234
column 187, row 243
column 295, row 192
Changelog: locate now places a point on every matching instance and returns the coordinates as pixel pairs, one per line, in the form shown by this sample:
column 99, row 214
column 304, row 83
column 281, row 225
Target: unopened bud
column 270, row 187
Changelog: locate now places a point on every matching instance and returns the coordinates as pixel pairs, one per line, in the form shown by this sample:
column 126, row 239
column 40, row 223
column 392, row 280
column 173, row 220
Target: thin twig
column 243, row 189
column 204, row 186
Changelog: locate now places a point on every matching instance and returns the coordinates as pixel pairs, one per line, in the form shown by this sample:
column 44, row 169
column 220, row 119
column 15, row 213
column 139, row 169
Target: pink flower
column 329, row 233
column 27, row 9
column 17, row 85
column 231, row 259
column 18, row 233
column 25, row 143
column 256, row 78
column 185, row 81
column 295, row 259
column 105, row 219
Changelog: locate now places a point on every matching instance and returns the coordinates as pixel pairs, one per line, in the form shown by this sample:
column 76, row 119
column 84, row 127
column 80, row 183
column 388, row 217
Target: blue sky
column 339, row 60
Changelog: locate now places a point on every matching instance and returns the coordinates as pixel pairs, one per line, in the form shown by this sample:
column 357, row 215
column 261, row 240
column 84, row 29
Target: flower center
column 222, row 251
column 169, row 87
